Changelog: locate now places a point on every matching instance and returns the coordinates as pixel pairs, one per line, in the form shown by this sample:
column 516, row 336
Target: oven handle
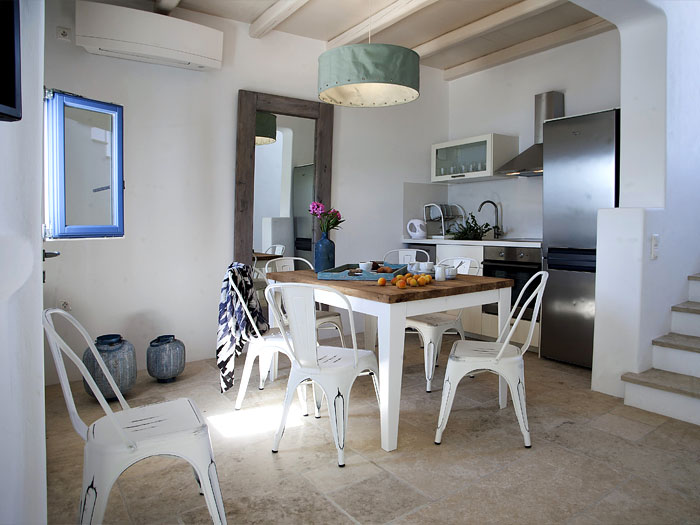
column 521, row 266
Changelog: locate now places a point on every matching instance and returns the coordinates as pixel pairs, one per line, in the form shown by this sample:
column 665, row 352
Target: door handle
column 49, row 255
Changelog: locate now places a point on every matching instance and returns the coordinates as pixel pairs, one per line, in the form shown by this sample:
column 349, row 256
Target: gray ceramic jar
column 165, row 358
column 119, row 356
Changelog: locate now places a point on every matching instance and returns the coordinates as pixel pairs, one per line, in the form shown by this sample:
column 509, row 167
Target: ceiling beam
column 592, row 26
column 274, row 16
column 388, row 16
column 492, row 22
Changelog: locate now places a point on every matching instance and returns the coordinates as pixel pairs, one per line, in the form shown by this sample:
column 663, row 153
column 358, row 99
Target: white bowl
column 366, row 266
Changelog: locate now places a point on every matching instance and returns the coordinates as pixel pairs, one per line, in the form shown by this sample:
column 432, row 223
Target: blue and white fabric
column 235, row 328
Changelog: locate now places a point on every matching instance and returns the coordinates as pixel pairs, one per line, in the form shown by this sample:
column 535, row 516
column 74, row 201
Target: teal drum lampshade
column 368, row 75
column 265, row 128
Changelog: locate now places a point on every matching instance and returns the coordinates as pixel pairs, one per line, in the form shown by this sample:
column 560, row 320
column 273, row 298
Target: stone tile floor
column 593, row 460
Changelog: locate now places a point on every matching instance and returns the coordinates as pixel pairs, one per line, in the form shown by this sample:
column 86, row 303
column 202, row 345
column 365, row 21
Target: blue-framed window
column 84, row 167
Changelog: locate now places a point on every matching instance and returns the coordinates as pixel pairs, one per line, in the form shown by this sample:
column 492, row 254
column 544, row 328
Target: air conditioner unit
column 131, row 34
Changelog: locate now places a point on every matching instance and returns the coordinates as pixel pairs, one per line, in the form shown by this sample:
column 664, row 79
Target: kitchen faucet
column 497, row 230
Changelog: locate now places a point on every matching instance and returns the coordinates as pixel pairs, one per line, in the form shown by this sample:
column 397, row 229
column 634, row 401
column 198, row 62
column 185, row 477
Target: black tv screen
column 10, row 78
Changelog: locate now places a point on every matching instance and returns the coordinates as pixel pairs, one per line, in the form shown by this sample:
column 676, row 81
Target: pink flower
column 317, row 208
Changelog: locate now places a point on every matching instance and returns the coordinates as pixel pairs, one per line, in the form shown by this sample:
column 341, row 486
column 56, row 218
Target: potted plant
column 470, row 230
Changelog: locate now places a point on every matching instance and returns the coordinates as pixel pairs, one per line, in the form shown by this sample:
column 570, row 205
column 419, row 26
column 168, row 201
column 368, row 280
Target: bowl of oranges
column 408, row 280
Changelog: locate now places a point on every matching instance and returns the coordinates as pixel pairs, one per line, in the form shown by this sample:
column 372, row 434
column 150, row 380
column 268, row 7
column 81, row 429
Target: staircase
column 672, row 386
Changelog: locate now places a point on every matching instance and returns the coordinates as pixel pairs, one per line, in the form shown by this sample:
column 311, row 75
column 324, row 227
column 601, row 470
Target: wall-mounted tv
column 10, row 78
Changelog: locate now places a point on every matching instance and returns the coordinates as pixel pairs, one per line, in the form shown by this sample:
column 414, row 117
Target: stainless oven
column 511, row 262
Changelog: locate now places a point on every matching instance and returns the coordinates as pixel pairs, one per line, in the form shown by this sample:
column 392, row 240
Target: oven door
column 519, row 272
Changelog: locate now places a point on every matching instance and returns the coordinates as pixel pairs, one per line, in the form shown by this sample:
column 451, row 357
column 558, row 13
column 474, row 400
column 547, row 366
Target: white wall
column 502, row 100
column 179, row 126
column 23, row 451
column 268, row 185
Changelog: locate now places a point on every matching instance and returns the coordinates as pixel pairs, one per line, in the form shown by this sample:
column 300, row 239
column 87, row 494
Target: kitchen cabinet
column 472, row 159
column 471, row 317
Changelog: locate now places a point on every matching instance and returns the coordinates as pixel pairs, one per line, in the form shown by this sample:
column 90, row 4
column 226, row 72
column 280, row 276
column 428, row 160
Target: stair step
column 689, row 343
column 668, row 381
column 695, row 277
column 694, row 287
column 668, row 393
column 688, row 307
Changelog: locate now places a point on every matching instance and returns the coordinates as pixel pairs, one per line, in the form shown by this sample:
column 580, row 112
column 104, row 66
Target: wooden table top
column 391, row 294
column 266, row 256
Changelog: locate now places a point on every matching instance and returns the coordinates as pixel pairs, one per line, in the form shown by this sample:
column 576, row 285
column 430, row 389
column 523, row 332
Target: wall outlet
column 65, row 305
column 63, row 33
column 654, row 254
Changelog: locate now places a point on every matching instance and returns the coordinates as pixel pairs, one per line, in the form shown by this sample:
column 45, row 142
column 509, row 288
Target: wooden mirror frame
column 248, row 103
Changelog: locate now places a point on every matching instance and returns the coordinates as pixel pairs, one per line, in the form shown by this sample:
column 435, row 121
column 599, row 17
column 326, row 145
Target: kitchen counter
column 522, row 243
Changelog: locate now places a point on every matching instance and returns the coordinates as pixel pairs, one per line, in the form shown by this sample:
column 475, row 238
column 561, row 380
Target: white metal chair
column 405, row 256
column 324, row 319
column 333, row 369
column 276, row 249
column 264, row 348
column 500, row 357
column 431, row 327
column 119, row 439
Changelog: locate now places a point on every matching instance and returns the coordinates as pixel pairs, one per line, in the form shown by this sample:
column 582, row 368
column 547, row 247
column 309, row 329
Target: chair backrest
column 405, row 256
column 464, row 265
column 245, row 306
column 536, row 296
column 276, row 249
column 300, row 303
column 59, row 347
column 286, row 264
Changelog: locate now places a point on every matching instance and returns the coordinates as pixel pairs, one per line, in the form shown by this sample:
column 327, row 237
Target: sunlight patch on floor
column 251, row 421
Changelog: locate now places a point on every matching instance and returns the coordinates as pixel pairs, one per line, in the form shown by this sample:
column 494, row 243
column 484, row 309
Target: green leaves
column 471, row 230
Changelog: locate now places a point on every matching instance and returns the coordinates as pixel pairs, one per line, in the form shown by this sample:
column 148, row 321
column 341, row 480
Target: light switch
column 654, row 246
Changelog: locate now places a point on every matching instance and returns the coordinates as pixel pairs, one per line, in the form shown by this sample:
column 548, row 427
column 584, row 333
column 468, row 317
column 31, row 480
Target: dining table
column 386, row 309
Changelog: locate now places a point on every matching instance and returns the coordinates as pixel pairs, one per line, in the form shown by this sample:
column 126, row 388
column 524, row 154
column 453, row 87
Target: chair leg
column 340, row 333
column 318, row 399
column 205, row 470
column 245, row 377
column 449, row 386
column 264, row 363
column 97, row 483
column 338, row 405
column 301, row 393
column 517, row 393
column 429, row 358
column 288, row 396
column 375, row 382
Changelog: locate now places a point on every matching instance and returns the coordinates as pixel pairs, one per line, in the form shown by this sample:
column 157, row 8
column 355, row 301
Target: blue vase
column 165, row 358
column 324, row 253
column 120, row 357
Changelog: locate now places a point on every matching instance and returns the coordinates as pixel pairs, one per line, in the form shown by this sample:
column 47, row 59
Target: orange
column 422, row 281
column 412, row 282
column 408, row 275
column 393, row 281
column 381, row 281
column 401, row 283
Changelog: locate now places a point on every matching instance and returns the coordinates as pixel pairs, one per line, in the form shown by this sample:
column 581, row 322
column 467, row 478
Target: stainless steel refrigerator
column 581, row 176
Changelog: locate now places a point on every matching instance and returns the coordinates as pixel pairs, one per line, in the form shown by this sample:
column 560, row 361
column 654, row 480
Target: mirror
column 284, row 173
column 249, row 102
column 84, row 167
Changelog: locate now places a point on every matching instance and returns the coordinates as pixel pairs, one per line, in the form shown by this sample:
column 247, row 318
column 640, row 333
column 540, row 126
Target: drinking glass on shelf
column 472, row 166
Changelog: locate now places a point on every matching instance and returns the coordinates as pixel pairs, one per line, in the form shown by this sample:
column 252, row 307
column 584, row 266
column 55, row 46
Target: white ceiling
column 457, row 36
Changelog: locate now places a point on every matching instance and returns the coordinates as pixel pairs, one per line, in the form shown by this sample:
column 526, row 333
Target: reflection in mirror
column 284, row 176
column 88, row 165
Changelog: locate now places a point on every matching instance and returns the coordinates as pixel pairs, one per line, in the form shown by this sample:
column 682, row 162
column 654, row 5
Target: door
column 568, row 316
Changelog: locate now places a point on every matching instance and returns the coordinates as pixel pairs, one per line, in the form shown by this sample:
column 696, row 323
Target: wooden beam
column 274, row 16
column 379, row 21
column 592, row 26
column 492, row 22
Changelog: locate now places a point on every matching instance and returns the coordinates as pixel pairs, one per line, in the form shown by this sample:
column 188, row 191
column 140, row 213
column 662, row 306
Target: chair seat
column 338, row 358
column 434, row 320
column 149, row 422
column 482, row 350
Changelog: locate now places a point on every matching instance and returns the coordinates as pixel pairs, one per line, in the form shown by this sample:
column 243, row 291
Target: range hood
column 529, row 162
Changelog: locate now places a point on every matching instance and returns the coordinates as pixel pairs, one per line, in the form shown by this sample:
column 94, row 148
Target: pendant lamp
column 368, row 75
column 265, row 128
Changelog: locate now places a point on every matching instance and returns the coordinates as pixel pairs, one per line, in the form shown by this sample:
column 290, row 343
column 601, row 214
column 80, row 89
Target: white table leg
column 370, row 332
column 503, row 320
column 275, row 357
column 391, row 327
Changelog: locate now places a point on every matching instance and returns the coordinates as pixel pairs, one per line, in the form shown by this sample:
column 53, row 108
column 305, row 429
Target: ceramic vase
column 324, row 253
column 119, row 356
column 165, row 358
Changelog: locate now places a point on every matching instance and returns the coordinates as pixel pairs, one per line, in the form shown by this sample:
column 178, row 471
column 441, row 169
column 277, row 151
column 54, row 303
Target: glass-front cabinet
column 472, row 159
